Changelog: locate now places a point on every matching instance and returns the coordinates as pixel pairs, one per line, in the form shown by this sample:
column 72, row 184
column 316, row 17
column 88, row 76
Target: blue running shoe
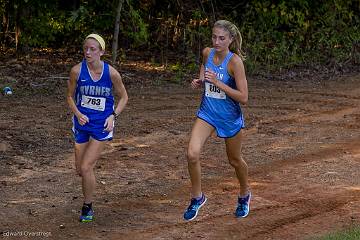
column 87, row 215
column 243, row 207
column 193, row 209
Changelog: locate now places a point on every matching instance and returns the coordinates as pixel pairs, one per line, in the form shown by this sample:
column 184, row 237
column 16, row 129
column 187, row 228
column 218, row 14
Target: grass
column 349, row 234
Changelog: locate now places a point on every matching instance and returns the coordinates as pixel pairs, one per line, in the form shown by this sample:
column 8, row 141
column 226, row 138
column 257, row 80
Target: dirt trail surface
column 302, row 146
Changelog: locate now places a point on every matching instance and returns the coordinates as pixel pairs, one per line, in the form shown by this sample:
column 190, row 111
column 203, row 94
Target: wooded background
column 276, row 34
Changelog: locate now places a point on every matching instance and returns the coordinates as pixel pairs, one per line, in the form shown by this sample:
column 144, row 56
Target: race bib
column 95, row 103
column 213, row 91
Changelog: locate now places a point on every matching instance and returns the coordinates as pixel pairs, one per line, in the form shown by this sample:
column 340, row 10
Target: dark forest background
column 277, row 35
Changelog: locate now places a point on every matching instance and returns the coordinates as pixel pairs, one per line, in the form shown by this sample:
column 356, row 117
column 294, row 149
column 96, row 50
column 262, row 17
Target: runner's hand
column 210, row 76
column 109, row 123
column 196, row 83
column 83, row 119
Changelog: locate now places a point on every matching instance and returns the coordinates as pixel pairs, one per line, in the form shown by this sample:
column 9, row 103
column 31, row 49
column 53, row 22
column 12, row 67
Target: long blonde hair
column 235, row 34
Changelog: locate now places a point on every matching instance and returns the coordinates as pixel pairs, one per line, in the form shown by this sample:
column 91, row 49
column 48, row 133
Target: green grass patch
column 348, row 234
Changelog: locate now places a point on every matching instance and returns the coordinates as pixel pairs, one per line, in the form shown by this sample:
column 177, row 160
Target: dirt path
column 302, row 147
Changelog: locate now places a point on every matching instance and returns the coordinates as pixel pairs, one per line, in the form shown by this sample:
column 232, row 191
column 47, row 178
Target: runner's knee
column 236, row 161
column 193, row 156
column 86, row 168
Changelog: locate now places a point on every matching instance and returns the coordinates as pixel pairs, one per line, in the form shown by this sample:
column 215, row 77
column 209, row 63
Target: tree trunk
column 116, row 32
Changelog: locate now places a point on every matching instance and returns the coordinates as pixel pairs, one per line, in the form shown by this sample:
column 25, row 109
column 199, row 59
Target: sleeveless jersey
column 218, row 109
column 94, row 98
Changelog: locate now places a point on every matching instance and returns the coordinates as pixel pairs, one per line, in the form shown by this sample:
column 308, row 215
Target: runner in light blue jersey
column 222, row 75
column 90, row 98
column 218, row 109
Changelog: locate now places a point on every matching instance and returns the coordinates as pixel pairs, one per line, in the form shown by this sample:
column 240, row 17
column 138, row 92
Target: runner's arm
column 119, row 90
column 197, row 82
column 71, row 87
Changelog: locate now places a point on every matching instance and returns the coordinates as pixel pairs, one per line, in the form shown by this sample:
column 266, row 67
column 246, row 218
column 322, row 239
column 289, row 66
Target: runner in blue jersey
column 90, row 98
column 222, row 75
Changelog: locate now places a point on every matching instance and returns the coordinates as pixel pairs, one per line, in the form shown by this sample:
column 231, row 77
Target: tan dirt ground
column 302, row 146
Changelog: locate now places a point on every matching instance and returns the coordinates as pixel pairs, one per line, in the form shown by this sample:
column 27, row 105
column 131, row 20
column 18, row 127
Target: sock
column 244, row 196
column 86, row 208
column 89, row 205
column 198, row 198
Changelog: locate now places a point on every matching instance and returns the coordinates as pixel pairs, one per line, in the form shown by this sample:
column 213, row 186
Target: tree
column 116, row 32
